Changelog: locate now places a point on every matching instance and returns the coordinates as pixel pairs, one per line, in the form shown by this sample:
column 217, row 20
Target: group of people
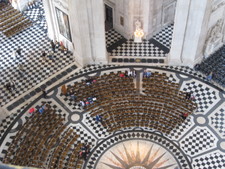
column 10, row 85
column 189, row 96
column 85, row 151
column 58, row 44
column 209, row 76
column 90, row 81
column 147, row 74
column 87, row 101
column 129, row 73
column 41, row 110
column 17, row 53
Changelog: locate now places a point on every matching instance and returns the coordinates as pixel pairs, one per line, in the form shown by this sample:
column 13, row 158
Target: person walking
column 21, row 69
column 18, row 51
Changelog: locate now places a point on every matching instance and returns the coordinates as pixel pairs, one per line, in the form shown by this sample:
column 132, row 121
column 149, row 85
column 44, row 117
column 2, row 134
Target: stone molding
column 62, row 3
column 214, row 38
column 216, row 6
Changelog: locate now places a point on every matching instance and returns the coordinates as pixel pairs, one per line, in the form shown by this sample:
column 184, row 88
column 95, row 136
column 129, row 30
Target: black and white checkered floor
column 33, row 41
column 165, row 36
column 37, row 15
column 158, row 46
column 198, row 143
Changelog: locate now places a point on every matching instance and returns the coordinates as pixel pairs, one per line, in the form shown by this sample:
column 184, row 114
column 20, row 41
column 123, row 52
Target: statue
column 139, row 33
column 214, row 37
column 138, row 24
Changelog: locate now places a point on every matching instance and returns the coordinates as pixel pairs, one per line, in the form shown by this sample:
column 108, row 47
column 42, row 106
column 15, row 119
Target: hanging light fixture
column 138, row 33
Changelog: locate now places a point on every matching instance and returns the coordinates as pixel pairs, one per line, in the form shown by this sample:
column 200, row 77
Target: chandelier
column 138, row 33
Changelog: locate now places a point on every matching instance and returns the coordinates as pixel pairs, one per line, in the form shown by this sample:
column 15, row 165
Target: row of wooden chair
column 12, row 21
column 18, row 28
column 9, row 16
column 36, row 144
column 118, row 101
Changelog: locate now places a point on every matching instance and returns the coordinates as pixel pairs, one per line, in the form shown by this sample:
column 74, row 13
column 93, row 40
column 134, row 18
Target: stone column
column 189, row 21
column 49, row 19
column 88, row 32
column 97, row 31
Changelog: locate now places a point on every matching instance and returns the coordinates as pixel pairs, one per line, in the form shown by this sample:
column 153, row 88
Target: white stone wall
column 213, row 13
column 86, row 26
column 154, row 15
column 194, row 24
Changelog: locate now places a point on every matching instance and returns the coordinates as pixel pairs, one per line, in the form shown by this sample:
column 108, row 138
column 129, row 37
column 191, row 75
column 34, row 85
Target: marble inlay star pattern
column 155, row 138
column 196, row 142
column 137, row 154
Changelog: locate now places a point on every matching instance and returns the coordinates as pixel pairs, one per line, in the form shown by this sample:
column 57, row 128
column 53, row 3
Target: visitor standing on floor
column 53, row 45
column 14, row 54
column 209, row 77
column 21, row 69
column 18, row 51
column 44, row 93
column 8, row 87
column 12, row 83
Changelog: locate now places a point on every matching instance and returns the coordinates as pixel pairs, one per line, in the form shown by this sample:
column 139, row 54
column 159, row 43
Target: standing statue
column 138, row 25
column 214, row 37
column 139, row 33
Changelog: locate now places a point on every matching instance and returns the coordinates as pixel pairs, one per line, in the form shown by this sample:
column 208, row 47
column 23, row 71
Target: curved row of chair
column 105, row 87
column 161, row 107
column 12, row 21
column 44, row 142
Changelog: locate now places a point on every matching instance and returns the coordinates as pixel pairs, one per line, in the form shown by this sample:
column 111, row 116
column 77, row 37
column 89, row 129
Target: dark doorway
column 108, row 17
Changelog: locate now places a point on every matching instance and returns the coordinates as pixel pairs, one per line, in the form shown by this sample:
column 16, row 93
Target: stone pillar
column 189, row 21
column 88, row 32
column 147, row 18
column 49, row 19
column 80, row 31
column 97, row 31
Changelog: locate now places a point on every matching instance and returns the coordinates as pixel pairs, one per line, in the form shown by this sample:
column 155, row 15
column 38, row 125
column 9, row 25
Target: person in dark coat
column 53, row 45
column 18, row 51
column 44, row 93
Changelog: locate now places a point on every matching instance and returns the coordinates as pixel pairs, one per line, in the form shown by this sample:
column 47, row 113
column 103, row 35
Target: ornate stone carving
column 218, row 5
column 214, row 37
column 138, row 24
column 62, row 3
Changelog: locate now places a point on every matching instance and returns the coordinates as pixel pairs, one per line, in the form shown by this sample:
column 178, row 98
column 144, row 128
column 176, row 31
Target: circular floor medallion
column 137, row 150
column 75, row 117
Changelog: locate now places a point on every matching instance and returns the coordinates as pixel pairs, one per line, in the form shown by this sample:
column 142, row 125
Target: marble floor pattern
column 198, row 143
column 158, row 46
column 32, row 41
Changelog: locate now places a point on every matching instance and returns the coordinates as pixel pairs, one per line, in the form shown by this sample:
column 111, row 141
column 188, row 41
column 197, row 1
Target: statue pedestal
column 137, row 39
